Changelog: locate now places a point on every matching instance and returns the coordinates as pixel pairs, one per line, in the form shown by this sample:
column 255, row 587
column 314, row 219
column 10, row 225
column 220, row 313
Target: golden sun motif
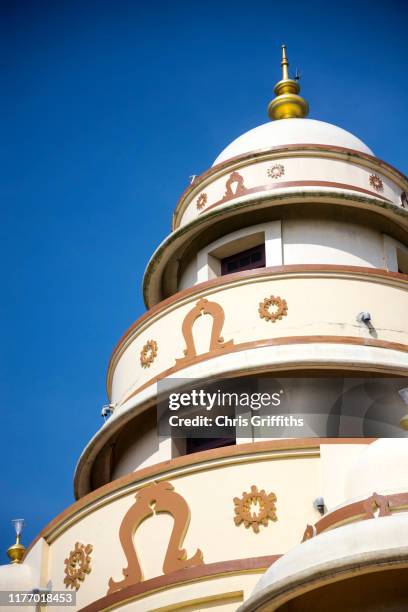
column 276, row 171
column 202, row 200
column 376, row 182
column 255, row 508
column 281, row 308
column 77, row 565
column 148, row 353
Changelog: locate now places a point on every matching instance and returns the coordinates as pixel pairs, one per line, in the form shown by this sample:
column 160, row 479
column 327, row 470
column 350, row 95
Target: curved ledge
column 196, row 461
column 163, row 470
column 288, row 184
column 224, row 281
column 344, row 153
column 275, row 342
column 358, row 511
column 354, row 550
column 170, row 245
column 193, row 574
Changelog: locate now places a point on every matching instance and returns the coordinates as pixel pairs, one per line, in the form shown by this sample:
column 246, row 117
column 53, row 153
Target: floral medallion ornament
column 376, row 182
column 77, row 565
column 201, row 201
column 273, row 308
column 255, row 508
column 148, row 353
column 276, row 171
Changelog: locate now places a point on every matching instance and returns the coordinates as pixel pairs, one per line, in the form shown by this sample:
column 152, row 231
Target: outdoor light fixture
column 318, row 504
column 364, row 317
column 17, row 550
column 107, row 410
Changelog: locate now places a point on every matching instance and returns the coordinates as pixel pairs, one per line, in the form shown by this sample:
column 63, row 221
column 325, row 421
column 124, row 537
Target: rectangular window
column 195, row 445
column 246, row 260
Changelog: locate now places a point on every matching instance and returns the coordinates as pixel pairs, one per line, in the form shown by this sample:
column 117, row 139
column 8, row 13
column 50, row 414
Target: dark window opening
column 402, row 261
column 195, row 445
column 246, row 260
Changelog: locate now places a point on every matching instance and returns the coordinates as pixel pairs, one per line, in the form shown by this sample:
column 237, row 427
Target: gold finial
column 287, row 104
column 17, row 550
column 284, row 64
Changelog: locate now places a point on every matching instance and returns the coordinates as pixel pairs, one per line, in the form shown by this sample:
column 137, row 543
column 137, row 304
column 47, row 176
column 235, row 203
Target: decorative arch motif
column 217, row 343
column 377, row 504
column 235, row 177
column 157, row 497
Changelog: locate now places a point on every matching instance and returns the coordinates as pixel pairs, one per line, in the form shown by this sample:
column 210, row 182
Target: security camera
column 318, row 504
column 107, row 410
column 364, row 317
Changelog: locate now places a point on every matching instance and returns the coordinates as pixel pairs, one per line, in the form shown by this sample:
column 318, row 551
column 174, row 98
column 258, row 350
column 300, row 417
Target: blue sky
column 108, row 107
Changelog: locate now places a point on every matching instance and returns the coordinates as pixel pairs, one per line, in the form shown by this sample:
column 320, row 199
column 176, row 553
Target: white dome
column 292, row 132
column 381, row 468
column 16, row 577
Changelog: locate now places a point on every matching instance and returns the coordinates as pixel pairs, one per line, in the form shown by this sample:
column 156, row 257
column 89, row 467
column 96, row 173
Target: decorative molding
column 376, row 505
column 312, row 150
column 155, row 498
column 77, row 565
column 265, row 308
column 370, row 508
column 148, row 353
column 238, row 453
column 224, row 281
column 201, row 200
column 376, row 183
column 288, row 184
column 284, row 341
column 186, row 576
column 235, row 177
column 255, row 508
column 217, row 343
column 276, row 171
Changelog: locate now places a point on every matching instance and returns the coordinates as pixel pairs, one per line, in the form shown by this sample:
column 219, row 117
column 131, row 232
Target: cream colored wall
column 222, row 594
column 314, row 241
column 189, row 276
column 299, row 241
column 336, row 464
column 139, row 451
column 391, row 249
column 209, row 494
column 297, row 167
column 318, row 304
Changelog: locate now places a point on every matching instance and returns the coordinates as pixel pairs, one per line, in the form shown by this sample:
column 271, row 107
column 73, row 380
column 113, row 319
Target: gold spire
column 287, row 104
column 17, row 550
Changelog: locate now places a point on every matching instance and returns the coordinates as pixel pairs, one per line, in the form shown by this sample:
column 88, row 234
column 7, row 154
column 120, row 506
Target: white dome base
column 292, row 132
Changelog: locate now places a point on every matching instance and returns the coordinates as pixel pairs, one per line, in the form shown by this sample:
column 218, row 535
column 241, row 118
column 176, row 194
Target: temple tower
column 277, row 254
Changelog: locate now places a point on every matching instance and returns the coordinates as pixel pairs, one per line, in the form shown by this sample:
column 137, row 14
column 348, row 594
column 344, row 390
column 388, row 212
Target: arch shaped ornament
column 217, row 343
column 155, row 498
column 237, row 179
